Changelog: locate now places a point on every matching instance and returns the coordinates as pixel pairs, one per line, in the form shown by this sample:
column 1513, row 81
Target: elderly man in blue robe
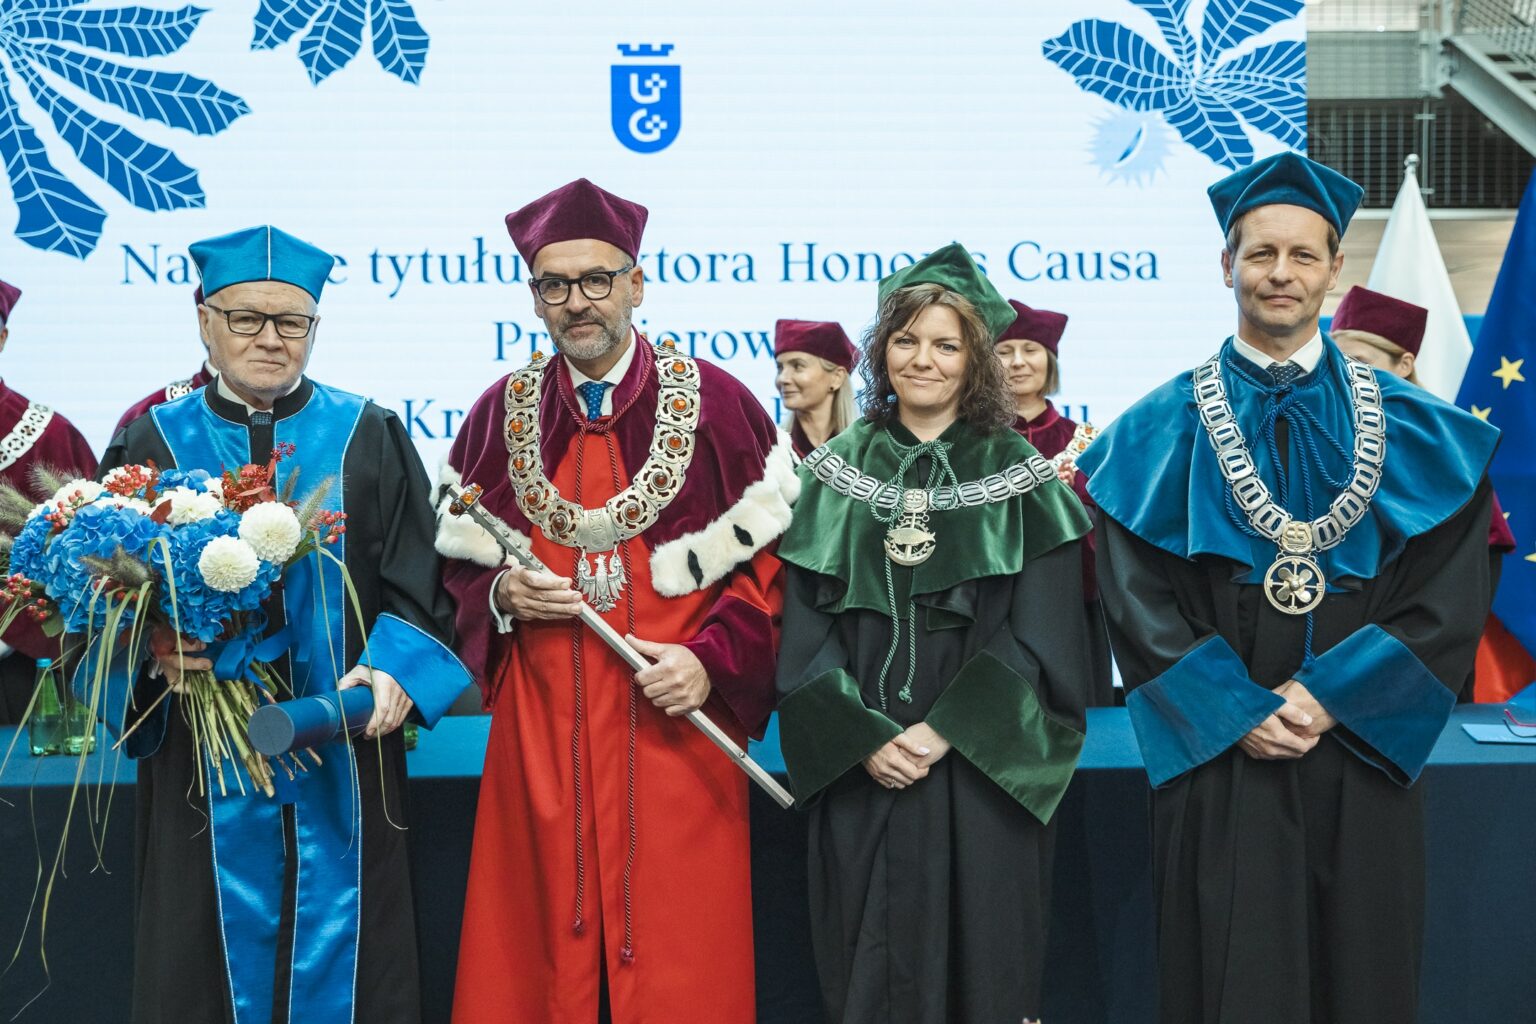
column 294, row 908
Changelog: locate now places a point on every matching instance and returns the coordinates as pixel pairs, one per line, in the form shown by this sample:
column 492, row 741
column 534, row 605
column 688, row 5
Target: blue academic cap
column 261, row 254
column 1290, row 179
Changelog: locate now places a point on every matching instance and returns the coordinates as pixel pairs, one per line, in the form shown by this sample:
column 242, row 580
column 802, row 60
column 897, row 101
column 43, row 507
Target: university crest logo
column 647, row 98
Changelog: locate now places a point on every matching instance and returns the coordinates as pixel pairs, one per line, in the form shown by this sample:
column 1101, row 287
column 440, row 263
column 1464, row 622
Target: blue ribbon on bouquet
column 236, row 658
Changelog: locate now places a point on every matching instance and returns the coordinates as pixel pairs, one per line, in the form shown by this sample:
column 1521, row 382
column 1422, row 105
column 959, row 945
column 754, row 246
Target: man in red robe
column 611, row 861
column 31, row 434
column 176, row 388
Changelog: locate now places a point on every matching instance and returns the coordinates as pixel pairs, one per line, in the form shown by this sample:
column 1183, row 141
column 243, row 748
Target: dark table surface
column 1479, row 948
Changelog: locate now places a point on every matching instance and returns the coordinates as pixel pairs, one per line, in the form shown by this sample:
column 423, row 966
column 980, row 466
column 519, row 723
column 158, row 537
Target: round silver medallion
column 1294, row 584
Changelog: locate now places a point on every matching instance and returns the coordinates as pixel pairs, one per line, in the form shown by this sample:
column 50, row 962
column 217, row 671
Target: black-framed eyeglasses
column 595, row 285
column 252, row 321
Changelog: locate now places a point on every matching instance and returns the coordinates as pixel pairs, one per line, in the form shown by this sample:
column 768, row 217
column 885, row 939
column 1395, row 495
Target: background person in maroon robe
column 176, row 388
column 30, row 435
column 814, row 358
column 1028, row 350
column 1385, row 332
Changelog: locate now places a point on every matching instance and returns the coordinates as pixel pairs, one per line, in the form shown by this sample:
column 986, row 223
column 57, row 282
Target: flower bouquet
column 175, row 554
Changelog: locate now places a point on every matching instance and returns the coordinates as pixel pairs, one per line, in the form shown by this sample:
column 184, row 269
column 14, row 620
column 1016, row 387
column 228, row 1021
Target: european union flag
column 1500, row 387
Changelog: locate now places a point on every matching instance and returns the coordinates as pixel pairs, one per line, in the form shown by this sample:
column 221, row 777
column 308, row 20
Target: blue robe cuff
column 120, row 695
column 426, row 669
column 1196, row 710
column 1390, row 704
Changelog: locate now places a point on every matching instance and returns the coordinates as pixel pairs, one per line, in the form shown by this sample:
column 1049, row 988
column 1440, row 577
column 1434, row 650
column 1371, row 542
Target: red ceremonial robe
column 175, row 389
column 1504, row 667
column 612, row 840
column 33, row 435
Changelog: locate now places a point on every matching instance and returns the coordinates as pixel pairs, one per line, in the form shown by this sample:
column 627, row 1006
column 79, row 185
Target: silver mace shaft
column 468, row 503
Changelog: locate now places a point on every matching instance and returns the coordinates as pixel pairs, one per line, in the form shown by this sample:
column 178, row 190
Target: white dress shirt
column 1307, row 357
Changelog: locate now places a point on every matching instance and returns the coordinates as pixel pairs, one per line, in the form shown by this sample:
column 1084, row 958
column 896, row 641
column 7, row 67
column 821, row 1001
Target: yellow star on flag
column 1482, row 411
column 1531, row 557
column 1509, row 372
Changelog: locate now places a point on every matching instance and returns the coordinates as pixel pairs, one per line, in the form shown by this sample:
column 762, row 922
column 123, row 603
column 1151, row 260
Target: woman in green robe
column 933, row 671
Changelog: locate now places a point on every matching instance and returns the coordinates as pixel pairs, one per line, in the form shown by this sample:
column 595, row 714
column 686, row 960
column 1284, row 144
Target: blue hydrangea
column 99, row 530
column 27, row 551
column 199, row 610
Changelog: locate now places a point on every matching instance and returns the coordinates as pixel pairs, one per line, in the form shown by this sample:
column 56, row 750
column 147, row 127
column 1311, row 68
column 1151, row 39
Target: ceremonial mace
column 468, row 503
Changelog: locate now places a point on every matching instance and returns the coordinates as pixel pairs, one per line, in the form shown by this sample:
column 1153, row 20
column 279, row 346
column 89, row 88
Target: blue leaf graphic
column 333, row 40
column 1268, row 87
column 399, row 41
column 148, row 176
column 278, row 21
column 53, row 215
column 130, row 31
column 44, row 5
column 1230, row 22
column 1111, row 61
column 1172, row 17
column 1212, row 128
column 181, row 101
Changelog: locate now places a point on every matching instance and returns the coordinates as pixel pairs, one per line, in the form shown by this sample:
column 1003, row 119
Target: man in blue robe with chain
column 298, row 908
column 1293, row 560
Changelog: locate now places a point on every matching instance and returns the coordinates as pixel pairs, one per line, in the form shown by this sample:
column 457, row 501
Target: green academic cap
column 953, row 268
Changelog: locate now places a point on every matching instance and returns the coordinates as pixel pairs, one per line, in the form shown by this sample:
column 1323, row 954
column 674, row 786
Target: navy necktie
column 1285, row 372
column 592, row 393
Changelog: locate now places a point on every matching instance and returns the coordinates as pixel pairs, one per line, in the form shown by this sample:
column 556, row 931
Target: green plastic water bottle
column 45, row 728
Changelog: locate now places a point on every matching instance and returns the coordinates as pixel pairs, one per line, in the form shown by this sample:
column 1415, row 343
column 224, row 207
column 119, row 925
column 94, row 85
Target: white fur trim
column 763, row 513
column 462, row 537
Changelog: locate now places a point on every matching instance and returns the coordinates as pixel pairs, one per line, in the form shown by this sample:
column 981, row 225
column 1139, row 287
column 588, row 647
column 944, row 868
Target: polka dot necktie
column 1285, row 372
column 592, row 393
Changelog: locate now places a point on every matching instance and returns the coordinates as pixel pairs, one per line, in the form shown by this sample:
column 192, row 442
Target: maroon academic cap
column 9, row 293
column 1039, row 325
column 821, row 338
column 1401, row 323
column 577, row 210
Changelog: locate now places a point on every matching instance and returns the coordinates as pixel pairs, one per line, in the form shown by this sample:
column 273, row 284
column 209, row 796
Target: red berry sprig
column 330, row 525
column 128, row 481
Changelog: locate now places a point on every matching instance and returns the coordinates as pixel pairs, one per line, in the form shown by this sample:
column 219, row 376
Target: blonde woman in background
column 815, row 358
column 1029, row 350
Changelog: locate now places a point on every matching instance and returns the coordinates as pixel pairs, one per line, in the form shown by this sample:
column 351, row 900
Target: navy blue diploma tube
column 310, row 721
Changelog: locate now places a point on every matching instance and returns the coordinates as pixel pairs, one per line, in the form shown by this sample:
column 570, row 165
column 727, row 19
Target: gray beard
column 604, row 342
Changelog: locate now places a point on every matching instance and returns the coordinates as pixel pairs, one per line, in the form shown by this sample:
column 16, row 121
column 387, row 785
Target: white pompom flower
column 143, row 508
column 228, row 564
column 191, row 506
column 272, row 530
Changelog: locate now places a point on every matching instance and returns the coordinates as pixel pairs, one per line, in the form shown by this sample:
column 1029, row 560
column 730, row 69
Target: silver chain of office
column 1294, row 584
column 909, row 541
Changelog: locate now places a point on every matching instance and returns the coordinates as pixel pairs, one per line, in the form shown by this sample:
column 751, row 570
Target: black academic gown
column 180, row 969
column 1292, row 892
column 930, row 904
